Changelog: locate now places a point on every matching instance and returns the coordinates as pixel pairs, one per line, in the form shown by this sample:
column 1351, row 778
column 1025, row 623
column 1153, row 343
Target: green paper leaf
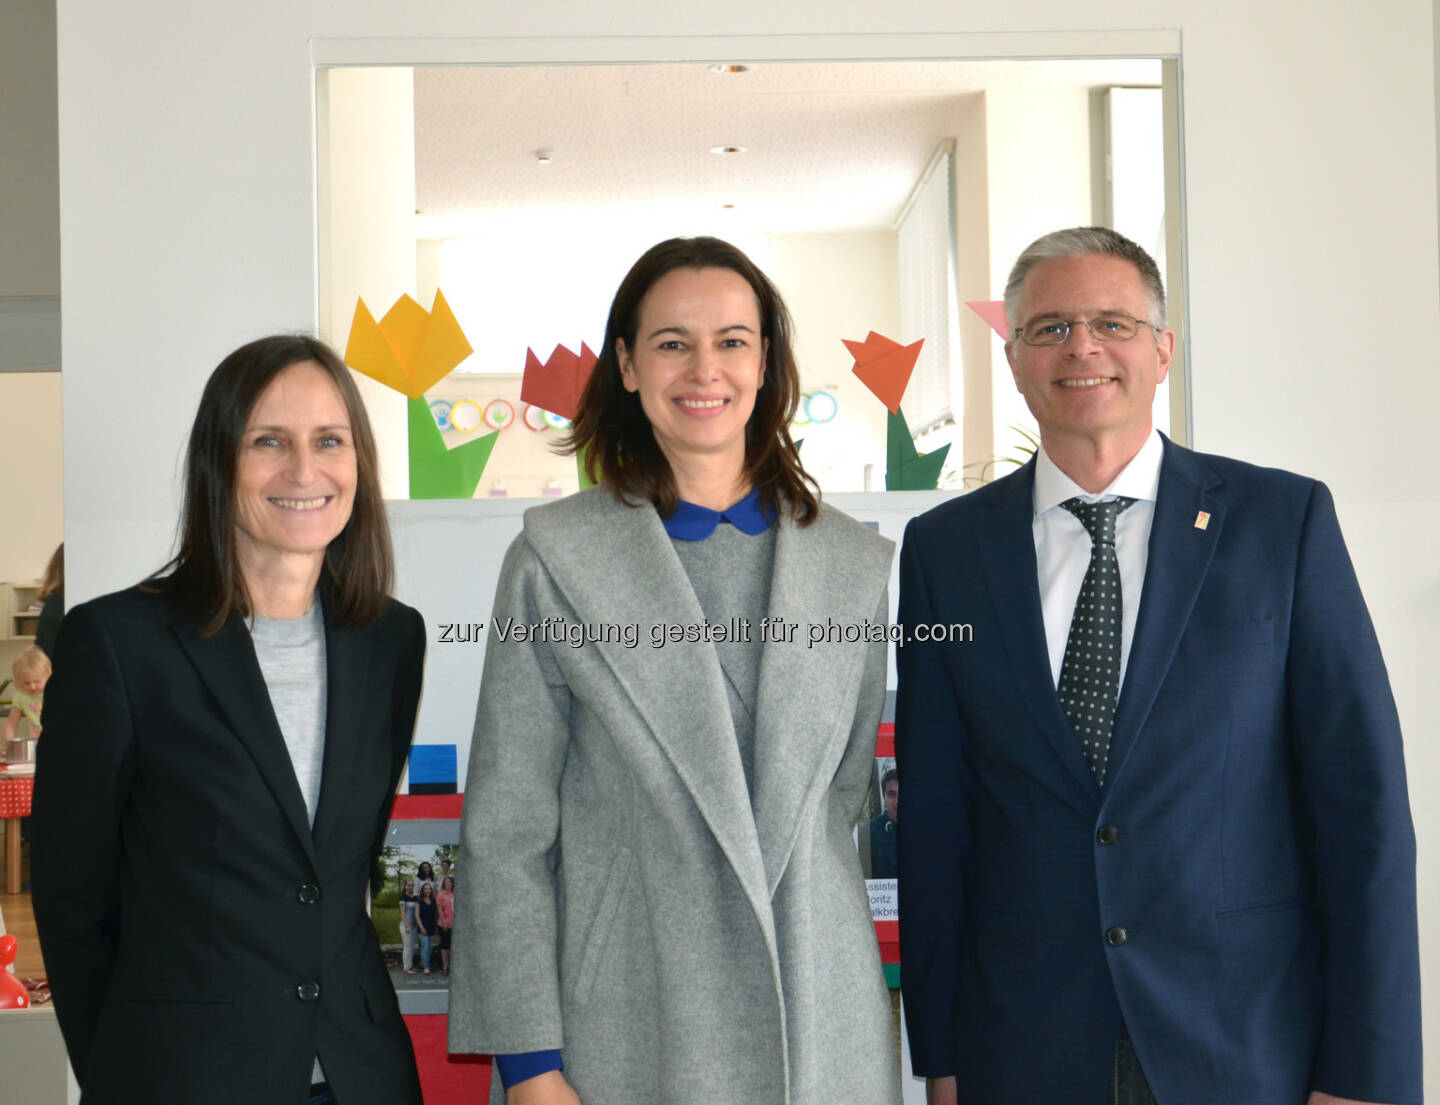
column 906, row 469
column 437, row 472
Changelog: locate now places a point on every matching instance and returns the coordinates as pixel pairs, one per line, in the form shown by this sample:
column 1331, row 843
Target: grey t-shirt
column 291, row 652
column 730, row 571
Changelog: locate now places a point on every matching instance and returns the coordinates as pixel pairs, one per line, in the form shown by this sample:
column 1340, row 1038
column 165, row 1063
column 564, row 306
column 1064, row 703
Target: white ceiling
column 831, row 146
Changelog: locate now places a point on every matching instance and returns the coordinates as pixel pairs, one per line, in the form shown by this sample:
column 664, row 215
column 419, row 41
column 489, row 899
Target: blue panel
column 432, row 763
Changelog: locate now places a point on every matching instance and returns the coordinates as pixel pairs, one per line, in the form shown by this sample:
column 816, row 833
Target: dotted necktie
column 1090, row 672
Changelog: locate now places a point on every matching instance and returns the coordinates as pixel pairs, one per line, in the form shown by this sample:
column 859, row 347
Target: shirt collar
column 1140, row 479
column 692, row 522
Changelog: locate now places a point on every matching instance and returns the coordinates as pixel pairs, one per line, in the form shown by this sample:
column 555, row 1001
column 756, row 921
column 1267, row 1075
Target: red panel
column 436, row 807
column 885, row 741
column 446, row 1079
column 887, row 933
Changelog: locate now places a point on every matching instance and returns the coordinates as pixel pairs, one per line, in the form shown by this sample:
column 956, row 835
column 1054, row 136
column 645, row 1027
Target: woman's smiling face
column 295, row 476
column 697, row 363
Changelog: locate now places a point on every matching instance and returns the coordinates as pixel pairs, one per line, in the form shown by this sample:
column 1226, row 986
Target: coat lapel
column 615, row 565
column 348, row 688
column 805, row 705
column 227, row 666
column 1179, row 556
column 1007, row 553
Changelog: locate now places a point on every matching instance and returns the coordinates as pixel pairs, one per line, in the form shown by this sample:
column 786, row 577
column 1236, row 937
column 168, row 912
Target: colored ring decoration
column 802, row 414
column 556, row 422
column 534, row 418
column 440, row 408
column 466, row 416
column 499, row 414
column 821, row 407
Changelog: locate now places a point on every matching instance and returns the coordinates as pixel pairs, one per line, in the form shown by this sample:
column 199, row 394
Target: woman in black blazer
column 221, row 747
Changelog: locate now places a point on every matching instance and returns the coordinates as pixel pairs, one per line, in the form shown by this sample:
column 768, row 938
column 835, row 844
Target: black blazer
column 202, row 942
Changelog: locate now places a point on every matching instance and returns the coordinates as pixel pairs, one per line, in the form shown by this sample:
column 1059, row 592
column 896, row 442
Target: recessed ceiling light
column 727, row 149
column 729, row 67
column 545, row 156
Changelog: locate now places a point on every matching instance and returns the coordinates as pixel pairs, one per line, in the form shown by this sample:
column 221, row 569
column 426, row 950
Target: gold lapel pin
column 1202, row 519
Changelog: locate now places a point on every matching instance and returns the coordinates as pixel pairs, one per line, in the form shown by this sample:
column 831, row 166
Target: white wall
column 189, row 226
column 972, row 277
column 840, row 286
column 30, row 461
column 366, row 178
column 1029, row 196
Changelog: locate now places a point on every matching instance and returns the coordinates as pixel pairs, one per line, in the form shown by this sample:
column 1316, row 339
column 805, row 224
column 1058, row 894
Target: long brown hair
column 54, row 578
column 204, row 578
column 615, row 439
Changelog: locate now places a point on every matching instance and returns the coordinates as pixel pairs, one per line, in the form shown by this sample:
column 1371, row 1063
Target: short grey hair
column 1085, row 241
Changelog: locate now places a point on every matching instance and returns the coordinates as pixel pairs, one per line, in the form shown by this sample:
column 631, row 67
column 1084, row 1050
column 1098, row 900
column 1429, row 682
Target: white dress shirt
column 1062, row 545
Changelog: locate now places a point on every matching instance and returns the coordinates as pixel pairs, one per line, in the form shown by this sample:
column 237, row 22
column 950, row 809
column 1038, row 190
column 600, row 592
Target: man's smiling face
column 1086, row 388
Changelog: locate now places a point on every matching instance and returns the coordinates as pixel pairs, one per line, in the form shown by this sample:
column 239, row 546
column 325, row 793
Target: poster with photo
column 876, row 839
column 412, row 909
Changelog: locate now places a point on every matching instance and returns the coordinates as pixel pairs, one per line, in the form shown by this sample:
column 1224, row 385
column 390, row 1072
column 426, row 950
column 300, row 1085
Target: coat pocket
column 602, row 925
column 178, row 999
column 1274, row 905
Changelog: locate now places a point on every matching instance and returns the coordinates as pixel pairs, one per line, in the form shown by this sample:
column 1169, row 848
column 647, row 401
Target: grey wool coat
column 626, row 897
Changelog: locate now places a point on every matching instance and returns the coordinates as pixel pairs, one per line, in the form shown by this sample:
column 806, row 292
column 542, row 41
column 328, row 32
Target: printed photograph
column 875, row 837
column 412, row 906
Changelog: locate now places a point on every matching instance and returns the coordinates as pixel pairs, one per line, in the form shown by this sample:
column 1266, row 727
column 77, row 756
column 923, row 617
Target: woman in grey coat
column 666, row 904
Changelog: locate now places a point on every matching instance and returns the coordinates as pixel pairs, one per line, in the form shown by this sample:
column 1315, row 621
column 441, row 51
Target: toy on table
column 12, row 991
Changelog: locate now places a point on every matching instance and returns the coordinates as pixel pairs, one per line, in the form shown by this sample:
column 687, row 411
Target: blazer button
column 1114, row 936
column 307, row 894
column 308, row 991
column 1108, row 834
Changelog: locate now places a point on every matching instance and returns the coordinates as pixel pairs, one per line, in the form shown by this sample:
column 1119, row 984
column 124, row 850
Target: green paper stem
column 906, row 469
column 437, row 472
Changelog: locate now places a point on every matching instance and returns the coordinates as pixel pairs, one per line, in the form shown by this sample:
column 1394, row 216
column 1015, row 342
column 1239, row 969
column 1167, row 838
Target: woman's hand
column 549, row 1088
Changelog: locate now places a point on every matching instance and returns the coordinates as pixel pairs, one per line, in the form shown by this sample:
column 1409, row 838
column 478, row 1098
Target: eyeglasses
column 1054, row 331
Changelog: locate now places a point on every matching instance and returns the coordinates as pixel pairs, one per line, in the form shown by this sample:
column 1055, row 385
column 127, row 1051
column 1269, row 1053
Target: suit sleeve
column 1347, row 737
column 84, row 770
column 934, row 833
column 505, row 997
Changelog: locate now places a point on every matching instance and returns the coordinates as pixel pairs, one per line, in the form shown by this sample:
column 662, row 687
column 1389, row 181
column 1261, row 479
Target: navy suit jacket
column 1241, row 892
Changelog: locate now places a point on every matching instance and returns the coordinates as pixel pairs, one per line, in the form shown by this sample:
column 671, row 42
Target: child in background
column 31, row 670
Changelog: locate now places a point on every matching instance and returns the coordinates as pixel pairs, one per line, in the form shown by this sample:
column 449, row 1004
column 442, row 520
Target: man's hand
column 549, row 1088
column 1318, row 1098
column 941, row 1091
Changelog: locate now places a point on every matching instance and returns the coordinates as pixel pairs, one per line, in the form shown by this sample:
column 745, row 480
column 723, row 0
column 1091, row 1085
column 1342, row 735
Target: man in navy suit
column 1157, row 843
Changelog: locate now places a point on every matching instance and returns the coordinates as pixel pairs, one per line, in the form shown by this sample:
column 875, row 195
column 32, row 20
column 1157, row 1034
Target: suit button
column 1108, row 834
column 307, row 894
column 1115, row 936
column 308, row 991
